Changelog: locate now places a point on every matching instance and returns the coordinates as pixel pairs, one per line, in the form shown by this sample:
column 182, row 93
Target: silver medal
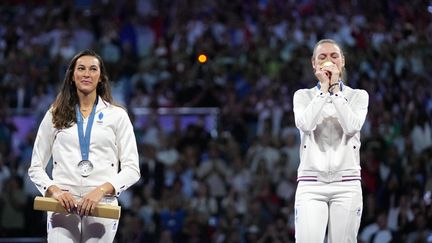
column 86, row 167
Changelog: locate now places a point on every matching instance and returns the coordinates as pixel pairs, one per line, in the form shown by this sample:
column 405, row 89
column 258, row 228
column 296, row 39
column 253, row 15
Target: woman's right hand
column 323, row 78
column 65, row 198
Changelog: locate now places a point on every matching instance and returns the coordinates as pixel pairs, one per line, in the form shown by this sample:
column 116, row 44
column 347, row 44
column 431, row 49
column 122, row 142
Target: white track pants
column 65, row 228
column 338, row 205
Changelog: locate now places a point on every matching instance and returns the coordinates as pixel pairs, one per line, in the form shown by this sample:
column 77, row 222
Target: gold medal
column 326, row 64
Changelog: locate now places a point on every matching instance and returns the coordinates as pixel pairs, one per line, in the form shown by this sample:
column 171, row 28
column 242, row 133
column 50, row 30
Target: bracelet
column 103, row 191
column 330, row 88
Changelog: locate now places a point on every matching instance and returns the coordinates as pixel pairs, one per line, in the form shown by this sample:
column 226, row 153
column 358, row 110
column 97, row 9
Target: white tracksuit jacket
column 112, row 147
column 330, row 133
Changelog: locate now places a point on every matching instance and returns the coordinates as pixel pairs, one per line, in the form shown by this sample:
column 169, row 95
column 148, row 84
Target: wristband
column 330, row 88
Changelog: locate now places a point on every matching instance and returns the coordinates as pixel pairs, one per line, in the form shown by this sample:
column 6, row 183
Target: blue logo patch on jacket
column 100, row 117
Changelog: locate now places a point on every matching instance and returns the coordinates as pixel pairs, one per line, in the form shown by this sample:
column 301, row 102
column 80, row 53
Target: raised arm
column 307, row 109
column 351, row 115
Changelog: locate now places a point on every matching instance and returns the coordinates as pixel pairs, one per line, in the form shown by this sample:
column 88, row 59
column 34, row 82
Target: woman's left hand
column 88, row 203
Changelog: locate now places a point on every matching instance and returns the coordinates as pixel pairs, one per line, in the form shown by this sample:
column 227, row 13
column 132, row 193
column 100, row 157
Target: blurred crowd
column 237, row 186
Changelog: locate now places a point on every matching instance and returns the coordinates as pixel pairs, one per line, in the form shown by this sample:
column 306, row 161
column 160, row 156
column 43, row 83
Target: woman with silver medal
column 89, row 139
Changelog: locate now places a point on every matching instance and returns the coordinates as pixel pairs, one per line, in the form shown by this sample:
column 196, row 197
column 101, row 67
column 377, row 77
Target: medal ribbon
column 84, row 140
